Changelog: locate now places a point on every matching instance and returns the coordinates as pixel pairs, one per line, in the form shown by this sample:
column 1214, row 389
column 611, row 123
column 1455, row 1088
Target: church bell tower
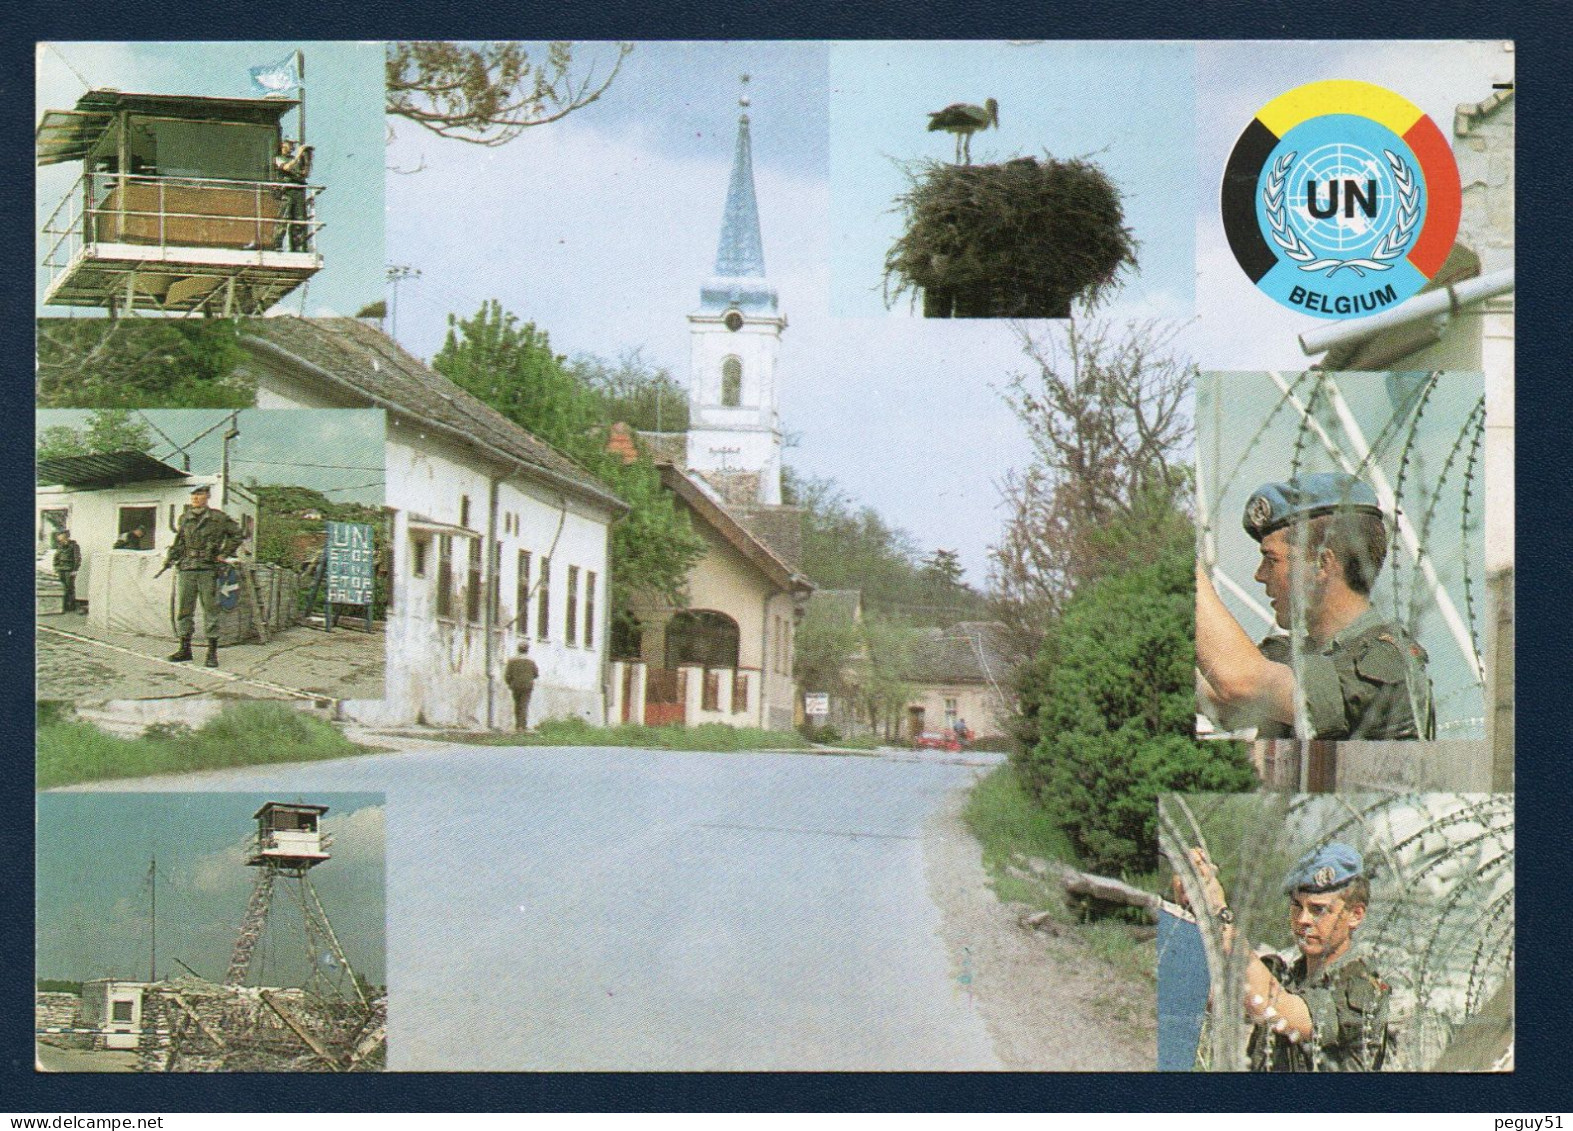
column 734, row 437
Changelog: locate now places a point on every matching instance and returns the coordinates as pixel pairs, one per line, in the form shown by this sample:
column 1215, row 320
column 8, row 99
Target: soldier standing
column 520, row 674
column 67, row 563
column 1323, row 539
column 204, row 541
column 1325, row 1008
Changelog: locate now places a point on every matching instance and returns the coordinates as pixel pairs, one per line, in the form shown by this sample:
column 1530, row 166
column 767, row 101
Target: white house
column 497, row 537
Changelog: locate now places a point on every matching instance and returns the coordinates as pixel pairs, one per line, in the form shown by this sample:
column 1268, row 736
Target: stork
column 964, row 119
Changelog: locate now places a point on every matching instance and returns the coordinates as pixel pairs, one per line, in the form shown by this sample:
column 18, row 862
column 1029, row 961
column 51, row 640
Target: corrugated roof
column 67, row 135
column 107, row 469
column 365, row 362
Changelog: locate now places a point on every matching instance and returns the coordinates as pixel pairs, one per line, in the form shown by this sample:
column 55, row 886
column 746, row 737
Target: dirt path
column 1049, row 1005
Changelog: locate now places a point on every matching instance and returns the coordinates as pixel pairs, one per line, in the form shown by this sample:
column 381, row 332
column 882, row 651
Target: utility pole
column 396, row 274
column 152, row 886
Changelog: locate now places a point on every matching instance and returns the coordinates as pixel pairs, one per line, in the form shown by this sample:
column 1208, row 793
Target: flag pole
column 300, row 78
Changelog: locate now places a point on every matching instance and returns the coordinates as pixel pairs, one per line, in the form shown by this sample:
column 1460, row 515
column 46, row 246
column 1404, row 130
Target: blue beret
column 1325, row 869
column 1273, row 506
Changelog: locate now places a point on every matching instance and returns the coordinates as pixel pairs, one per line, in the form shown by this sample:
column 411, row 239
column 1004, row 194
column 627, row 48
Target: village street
column 574, row 908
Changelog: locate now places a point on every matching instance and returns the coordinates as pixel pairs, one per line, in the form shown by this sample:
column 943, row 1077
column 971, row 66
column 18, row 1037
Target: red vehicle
column 938, row 740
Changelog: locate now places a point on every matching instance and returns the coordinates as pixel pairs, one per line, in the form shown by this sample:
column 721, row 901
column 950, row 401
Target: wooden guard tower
column 290, row 842
column 185, row 204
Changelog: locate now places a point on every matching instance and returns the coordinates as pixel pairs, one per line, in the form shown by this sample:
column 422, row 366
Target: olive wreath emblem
column 1392, row 246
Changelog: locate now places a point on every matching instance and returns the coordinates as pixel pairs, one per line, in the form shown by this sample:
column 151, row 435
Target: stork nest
column 1015, row 240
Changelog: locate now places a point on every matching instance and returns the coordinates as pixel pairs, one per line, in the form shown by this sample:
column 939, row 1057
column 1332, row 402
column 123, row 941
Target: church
column 726, row 655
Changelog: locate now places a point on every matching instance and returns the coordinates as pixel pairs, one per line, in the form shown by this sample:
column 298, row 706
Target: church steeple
column 734, row 437
column 739, row 280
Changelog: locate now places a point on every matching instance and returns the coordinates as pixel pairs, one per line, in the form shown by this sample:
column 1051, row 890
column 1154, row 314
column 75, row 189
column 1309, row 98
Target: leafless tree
column 490, row 93
column 1105, row 413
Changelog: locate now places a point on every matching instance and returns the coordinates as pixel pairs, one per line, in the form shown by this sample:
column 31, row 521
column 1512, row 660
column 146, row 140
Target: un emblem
column 1324, row 876
column 1340, row 199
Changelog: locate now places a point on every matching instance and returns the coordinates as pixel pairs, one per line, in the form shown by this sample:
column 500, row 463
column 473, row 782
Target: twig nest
column 1015, row 240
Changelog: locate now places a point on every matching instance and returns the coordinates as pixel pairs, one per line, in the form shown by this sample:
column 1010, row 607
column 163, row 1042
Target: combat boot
column 183, row 653
column 212, row 660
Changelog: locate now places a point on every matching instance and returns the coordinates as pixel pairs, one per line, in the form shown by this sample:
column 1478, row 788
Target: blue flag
column 276, row 78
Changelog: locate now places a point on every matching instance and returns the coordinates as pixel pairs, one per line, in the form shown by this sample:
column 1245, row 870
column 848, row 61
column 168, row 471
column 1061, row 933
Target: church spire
column 739, row 279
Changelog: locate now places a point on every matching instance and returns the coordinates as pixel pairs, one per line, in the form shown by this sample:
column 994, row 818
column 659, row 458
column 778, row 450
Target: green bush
column 246, row 734
column 1110, row 714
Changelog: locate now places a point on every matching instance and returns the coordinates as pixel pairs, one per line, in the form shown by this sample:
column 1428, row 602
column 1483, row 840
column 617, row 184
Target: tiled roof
column 365, row 362
column 968, row 652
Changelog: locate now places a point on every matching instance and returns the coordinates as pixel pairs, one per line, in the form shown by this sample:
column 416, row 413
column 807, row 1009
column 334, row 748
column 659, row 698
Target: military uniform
column 67, row 564
column 1368, row 682
column 1348, row 1002
column 201, row 539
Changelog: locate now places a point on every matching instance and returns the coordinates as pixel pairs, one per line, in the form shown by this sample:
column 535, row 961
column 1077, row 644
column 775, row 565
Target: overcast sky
column 601, row 227
column 336, row 451
column 344, row 122
column 94, row 903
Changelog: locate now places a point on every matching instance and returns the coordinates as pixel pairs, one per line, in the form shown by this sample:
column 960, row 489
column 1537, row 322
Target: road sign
column 351, row 563
column 816, row 703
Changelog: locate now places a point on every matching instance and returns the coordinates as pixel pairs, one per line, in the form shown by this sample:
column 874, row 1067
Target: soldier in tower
column 204, row 541
column 1323, row 539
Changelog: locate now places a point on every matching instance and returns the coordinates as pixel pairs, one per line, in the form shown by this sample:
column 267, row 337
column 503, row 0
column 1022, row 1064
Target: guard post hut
column 112, row 1010
column 289, row 837
column 184, row 204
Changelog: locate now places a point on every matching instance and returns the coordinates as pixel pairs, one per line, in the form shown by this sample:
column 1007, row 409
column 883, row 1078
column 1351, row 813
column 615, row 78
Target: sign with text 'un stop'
column 351, row 561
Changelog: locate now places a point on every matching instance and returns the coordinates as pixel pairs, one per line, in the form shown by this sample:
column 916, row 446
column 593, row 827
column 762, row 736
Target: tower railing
column 172, row 213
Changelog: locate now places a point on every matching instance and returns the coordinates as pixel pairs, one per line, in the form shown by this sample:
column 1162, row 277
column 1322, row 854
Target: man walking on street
column 203, row 543
column 520, row 674
column 67, row 563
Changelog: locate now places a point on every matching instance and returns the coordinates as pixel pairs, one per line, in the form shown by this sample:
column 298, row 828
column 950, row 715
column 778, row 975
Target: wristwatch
column 1224, row 916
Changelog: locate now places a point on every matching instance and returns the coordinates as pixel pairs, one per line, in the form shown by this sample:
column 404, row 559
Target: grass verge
column 246, row 734
column 577, row 732
column 1011, row 827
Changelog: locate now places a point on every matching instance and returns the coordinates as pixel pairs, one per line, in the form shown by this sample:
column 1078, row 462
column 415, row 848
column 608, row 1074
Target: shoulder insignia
column 1381, row 661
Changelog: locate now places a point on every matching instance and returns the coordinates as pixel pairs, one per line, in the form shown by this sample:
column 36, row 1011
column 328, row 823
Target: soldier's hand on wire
column 1212, row 887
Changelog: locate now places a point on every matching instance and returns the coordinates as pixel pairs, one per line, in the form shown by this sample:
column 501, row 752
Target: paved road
column 625, row 909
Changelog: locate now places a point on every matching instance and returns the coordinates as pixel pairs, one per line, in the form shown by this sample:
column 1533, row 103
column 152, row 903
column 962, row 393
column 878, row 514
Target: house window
column 522, row 596
column 135, row 527
column 711, row 699
column 494, row 583
column 731, row 382
column 420, row 547
column 952, row 712
column 571, row 612
column 464, row 511
column 445, row 575
column 739, row 692
column 120, row 1011
column 472, row 591
column 589, row 608
column 543, row 601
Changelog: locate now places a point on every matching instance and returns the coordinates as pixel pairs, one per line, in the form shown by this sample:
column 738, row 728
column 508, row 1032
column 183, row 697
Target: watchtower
column 290, row 843
column 288, row 837
column 185, row 204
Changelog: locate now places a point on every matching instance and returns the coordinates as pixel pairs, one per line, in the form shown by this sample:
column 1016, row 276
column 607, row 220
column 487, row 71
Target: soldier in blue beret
column 1323, row 1009
column 1323, row 539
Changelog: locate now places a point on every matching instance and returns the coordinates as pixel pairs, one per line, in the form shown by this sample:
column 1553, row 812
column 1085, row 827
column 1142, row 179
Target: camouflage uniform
column 1348, row 1004
column 201, row 539
column 67, row 563
column 1368, row 682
